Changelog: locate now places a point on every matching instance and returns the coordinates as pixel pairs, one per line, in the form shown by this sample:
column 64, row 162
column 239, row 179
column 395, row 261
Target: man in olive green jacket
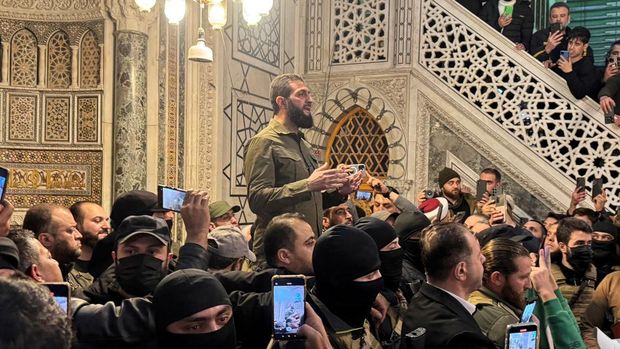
column 281, row 172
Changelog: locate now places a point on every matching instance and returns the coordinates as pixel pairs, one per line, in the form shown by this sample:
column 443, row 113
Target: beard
column 64, row 253
column 513, row 298
column 454, row 195
column 297, row 116
column 89, row 239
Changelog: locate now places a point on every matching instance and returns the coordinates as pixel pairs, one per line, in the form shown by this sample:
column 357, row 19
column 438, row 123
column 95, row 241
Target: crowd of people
column 454, row 269
column 563, row 49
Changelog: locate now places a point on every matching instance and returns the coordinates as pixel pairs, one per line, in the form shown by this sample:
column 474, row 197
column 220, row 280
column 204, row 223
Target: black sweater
column 520, row 29
column 583, row 81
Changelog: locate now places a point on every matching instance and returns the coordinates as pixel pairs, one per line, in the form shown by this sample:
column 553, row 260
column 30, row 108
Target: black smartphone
column 610, row 117
column 481, row 188
column 597, row 187
column 4, row 181
column 528, row 311
column 363, row 195
column 555, row 27
column 170, row 198
column 61, row 291
column 581, row 183
column 288, row 306
column 521, row 336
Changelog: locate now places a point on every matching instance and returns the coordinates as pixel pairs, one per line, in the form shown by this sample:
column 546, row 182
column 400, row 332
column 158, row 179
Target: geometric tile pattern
column 262, row 41
column 24, row 59
column 87, row 126
column 524, row 105
column 57, row 110
column 59, row 61
column 360, row 31
column 89, row 64
column 361, row 140
column 22, row 118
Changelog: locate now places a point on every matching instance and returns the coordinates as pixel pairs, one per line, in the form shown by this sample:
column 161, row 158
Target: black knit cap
column 410, row 223
column 605, row 226
column 344, row 253
column 378, row 230
column 186, row 292
column 445, row 175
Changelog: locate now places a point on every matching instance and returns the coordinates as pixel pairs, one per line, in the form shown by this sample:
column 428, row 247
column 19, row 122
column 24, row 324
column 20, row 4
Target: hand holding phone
column 481, row 188
column 288, row 306
column 522, row 336
column 565, row 54
column 597, row 187
column 4, row 182
column 528, row 311
column 581, row 184
column 170, row 198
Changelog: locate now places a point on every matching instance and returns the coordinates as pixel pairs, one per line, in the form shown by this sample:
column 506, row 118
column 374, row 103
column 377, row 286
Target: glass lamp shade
column 217, row 15
column 145, row 5
column 200, row 52
column 263, row 6
column 174, row 10
column 250, row 12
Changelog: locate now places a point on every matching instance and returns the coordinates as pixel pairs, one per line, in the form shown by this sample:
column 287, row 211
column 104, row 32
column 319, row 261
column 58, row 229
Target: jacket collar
column 446, row 300
column 485, row 296
column 335, row 323
column 278, row 128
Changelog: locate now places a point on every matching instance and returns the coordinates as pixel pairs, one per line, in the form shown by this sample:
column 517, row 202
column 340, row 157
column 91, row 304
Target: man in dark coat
column 439, row 315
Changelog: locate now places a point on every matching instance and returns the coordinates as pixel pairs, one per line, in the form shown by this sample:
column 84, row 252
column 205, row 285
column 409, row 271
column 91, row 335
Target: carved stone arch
column 24, row 58
column 90, row 60
column 59, row 58
column 343, row 100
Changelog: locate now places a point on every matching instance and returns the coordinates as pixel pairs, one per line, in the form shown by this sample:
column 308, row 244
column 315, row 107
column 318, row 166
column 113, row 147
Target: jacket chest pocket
column 290, row 167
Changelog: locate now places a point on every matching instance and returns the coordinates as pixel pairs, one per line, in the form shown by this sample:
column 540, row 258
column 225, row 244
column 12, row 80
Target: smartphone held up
column 288, row 306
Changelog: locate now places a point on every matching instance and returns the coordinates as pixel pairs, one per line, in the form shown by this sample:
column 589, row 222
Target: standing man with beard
column 94, row 224
column 56, row 229
column 281, row 172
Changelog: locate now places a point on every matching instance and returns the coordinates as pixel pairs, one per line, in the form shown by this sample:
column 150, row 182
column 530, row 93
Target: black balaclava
column 139, row 274
column 184, row 293
column 604, row 251
column 408, row 226
column 341, row 255
column 391, row 261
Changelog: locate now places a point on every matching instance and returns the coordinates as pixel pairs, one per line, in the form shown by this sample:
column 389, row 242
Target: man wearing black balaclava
column 141, row 258
column 391, row 255
column 604, row 242
column 575, row 274
column 192, row 310
column 409, row 226
column 346, row 267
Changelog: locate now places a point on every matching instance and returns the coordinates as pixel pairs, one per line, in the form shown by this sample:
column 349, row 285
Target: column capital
column 128, row 17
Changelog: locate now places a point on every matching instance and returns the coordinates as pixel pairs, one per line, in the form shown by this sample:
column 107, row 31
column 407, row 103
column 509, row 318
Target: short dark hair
column 28, row 252
column 558, row 5
column 493, row 171
column 76, row 210
column 444, row 246
column 280, row 234
column 281, row 86
column 30, row 316
column 39, row 218
column 567, row 226
column 588, row 212
column 500, row 255
column 579, row 33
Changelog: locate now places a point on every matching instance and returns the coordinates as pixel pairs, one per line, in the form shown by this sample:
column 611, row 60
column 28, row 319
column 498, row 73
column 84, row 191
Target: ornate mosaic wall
column 50, row 101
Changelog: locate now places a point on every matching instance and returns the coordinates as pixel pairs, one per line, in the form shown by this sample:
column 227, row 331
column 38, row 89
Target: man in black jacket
column 439, row 315
column 516, row 21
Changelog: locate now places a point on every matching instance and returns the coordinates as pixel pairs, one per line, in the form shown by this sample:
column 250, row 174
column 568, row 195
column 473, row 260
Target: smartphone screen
column 171, row 198
column 597, row 187
column 61, row 292
column 481, row 188
column 521, row 336
column 353, row 169
column 4, row 181
column 363, row 195
column 565, row 54
column 508, row 10
column 288, row 306
column 528, row 311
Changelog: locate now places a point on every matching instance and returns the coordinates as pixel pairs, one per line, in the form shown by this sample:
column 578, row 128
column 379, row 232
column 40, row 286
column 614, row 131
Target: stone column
column 75, row 65
column 130, row 111
column 42, row 66
column 130, row 96
column 5, row 63
column 101, row 63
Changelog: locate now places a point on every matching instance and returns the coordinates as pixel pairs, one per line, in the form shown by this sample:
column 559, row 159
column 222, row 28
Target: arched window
column 58, row 61
column 24, row 59
column 89, row 61
column 358, row 139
